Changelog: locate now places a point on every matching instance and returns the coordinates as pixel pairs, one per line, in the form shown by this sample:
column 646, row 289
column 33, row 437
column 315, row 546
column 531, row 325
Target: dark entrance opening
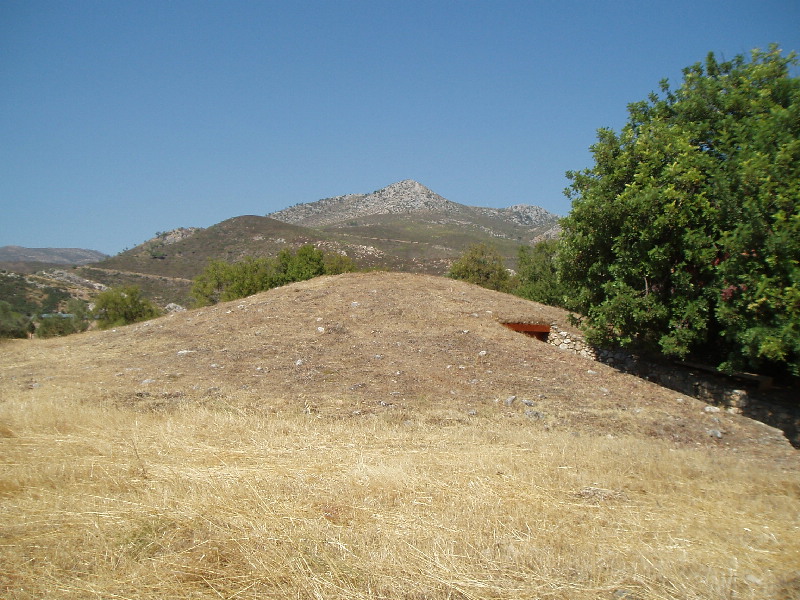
column 537, row 330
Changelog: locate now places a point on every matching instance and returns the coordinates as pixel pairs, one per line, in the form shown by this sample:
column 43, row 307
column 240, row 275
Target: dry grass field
column 353, row 437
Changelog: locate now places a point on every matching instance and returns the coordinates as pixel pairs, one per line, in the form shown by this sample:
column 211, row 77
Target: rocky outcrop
column 406, row 196
column 409, row 196
column 174, row 236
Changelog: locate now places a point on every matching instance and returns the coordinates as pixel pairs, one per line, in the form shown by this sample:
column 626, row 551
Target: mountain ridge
column 407, row 196
column 404, row 226
column 404, row 197
column 58, row 256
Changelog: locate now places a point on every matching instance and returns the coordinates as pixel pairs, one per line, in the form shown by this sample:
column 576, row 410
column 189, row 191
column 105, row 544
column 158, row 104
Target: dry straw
column 112, row 488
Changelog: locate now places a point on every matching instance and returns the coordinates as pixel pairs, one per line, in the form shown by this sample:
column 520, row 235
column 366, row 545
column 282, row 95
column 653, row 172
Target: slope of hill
column 394, row 338
column 186, row 252
column 54, row 256
column 404, row 227
column 410, row 197
column 375, row 436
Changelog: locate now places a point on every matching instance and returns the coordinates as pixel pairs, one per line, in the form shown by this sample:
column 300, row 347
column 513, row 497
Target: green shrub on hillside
column 482, row 265
column 537, row 274
column 222, row 281
column 12, row 323
column 75, row 320
column 122, row 306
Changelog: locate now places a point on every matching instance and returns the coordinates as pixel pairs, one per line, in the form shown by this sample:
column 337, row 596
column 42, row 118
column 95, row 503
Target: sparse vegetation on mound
column 356, row 437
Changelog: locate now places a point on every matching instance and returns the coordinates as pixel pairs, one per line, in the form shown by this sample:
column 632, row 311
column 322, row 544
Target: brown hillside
column 361, row 344
column 353, row 438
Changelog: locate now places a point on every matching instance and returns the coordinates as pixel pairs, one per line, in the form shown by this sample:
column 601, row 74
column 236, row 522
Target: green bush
column 482, row 265
column 75, row 320
column 537, row 274
column 222, row 281
column 12, row 323
column 122, row 306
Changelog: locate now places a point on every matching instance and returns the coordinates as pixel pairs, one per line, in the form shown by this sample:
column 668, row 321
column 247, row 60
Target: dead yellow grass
column 207, row 503
column 260, row 488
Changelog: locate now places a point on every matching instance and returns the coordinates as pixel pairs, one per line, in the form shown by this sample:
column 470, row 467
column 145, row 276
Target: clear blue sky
column 120, row 119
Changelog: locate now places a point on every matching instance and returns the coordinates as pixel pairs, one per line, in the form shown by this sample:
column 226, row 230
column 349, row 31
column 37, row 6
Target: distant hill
column 51, row 256
column 409, row 198
column 403, row 227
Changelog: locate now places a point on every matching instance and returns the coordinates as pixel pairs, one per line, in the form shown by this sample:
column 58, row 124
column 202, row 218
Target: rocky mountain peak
column 405, row 196
column 411, row 197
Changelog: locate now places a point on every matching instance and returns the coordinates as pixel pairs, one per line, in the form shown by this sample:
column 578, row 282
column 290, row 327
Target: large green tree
column 684, row 237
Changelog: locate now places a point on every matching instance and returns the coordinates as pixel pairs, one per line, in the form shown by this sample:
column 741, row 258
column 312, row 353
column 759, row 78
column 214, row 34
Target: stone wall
column 779, row 407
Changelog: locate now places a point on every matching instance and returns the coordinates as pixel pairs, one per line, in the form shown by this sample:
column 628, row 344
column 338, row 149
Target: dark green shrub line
column 222, row 281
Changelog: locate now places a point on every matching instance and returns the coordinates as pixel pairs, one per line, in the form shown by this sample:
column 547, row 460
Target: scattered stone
column 320, row 330
column 298, row 362
column 591, row 372
column 172, row 307
column 715, row 433
column 472, row 412
column 527, row 402
column 712, row 409
column 534, row 414
column 510, row 400
column 185, row 352
column 482, row 353
column 148, row 381
column 598, row 493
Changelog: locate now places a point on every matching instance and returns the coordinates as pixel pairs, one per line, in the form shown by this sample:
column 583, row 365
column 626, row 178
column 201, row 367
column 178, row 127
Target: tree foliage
column 122, row 306
column 482, row 265
column 75, row 320
column 222, row 281
column 684, row 237
column 537, row 274
column 12, row 323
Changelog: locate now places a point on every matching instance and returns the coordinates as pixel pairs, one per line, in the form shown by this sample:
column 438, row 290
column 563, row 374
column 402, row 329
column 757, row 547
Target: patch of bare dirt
column 359, row 344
